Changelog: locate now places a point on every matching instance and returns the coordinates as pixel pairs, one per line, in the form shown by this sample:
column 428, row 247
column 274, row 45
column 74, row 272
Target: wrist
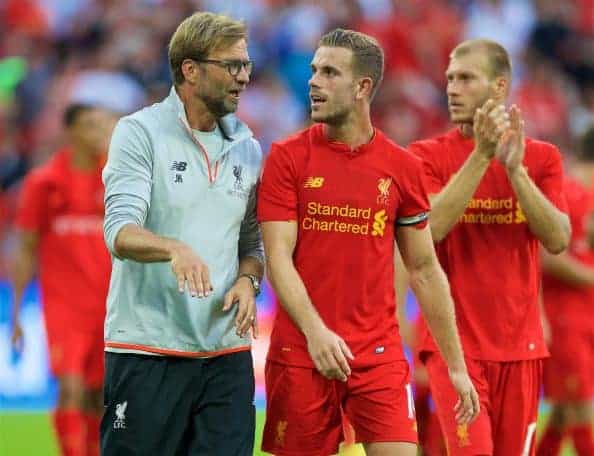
column 172, row 247
column 516, row 171
column 252, row 279
column 457, row 367
column 311, row 327
column 482, row 156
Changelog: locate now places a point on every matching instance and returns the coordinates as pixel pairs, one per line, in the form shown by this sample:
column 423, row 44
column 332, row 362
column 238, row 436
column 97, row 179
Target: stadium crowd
column 113, row 53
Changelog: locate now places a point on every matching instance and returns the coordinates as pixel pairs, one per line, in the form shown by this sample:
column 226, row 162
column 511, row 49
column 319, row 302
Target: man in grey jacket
column 187, row 258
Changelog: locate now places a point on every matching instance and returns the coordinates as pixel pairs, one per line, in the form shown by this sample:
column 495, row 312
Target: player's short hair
column 200, row 34
column 497, row 57
column 368, row 56
column 586, row 145
column 73, row 111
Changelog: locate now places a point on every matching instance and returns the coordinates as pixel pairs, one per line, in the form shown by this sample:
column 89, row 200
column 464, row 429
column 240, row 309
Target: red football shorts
column 75, row 351
column 304, row 411
column 569, row 372
column 508, row 393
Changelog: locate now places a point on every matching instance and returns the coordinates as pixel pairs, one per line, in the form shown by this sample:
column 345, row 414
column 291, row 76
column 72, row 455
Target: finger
column 515, row 117
column 254, row 327
column 341, row 361
column 191, row 279
column 242, row 319
column 488, row 106
column 181, row 281
column 325, row 368
column 478, row 120
column 228, row 300
column 206, row 283
column 476, row 403
column 345, row 349
column 198, row 285
column 467, row 410
column 336, row 365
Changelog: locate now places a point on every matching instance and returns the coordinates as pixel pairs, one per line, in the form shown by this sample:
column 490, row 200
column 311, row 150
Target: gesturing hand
column 490, row 122
column 189, row 268
column 510, row 147
column 242, row 294
column 468, row 406
column 329, row 353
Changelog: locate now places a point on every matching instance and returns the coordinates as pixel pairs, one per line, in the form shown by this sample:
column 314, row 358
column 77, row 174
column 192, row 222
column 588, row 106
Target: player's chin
column 318, row 116
column 460, row 118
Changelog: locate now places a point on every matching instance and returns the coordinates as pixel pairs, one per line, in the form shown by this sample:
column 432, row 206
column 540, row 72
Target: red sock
column 93, row 423
column 71, row 430
column 582, row 439
column 550, row 444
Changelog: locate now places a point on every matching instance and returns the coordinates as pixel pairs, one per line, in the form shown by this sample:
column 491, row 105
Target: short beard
column 217, row 106
column 335, row 119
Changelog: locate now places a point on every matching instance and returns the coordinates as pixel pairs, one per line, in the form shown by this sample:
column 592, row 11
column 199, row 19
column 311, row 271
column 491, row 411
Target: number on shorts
column 411, row 402
column 529, row 436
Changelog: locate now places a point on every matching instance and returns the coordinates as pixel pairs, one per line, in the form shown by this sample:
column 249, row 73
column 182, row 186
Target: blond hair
column 368, row 56
column 200, row 34
column 497, row 57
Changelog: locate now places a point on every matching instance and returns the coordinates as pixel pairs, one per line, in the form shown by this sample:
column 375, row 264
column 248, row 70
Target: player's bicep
column 416, row 246
column 279, row 238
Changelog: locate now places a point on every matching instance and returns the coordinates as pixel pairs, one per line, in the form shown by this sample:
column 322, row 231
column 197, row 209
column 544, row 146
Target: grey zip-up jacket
column 159, row 177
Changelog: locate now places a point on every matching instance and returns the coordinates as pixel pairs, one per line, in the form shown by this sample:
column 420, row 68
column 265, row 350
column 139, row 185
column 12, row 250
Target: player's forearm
column 291, row 292
column 550, row 226
column 567, row 269
column 431, row 288
column 450, row 203
column 139, row 244
column 23, row 272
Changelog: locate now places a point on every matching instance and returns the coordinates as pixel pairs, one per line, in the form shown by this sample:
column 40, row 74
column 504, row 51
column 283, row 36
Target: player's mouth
column 455, row 106
column 235, row 94
column 317, row 100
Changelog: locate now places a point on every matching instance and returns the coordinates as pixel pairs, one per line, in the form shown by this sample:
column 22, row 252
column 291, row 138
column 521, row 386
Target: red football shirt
column 65, row 207
column 491, row 257
column 346, row 203
column 568, row 305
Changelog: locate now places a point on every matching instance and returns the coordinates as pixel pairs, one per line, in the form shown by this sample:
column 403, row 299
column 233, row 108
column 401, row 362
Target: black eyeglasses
column 233, row 66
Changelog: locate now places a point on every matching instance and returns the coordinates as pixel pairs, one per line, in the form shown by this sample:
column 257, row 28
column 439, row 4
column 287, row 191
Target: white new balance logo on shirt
column 120, row 421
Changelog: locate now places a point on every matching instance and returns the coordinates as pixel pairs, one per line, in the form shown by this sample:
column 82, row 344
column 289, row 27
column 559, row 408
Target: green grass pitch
column 30, row 434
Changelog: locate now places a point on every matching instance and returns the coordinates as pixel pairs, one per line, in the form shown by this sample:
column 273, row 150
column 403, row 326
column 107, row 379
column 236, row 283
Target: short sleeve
column 414, row 203
column 277, row 192
column 432, row 177
column 550, row 180
column 32, row 207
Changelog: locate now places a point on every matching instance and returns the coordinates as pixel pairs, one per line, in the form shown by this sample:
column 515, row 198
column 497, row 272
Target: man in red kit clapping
column 495, row 197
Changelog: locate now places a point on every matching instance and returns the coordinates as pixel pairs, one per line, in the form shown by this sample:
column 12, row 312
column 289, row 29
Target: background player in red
column 332, row 201
column 60, row 221
column 495, row 196
column 568, row 295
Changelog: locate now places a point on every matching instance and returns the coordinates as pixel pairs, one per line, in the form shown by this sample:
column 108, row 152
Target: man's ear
column 364, row 88
column 502, row 87
column 190, row 70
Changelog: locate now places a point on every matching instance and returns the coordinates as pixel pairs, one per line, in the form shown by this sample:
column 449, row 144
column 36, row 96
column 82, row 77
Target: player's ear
column 364, row 88
column 189, row 69
column 501, row 87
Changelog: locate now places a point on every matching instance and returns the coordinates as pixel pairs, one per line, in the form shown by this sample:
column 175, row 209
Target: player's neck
column 352, row 133
column 198, row 115
column 466, row 130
